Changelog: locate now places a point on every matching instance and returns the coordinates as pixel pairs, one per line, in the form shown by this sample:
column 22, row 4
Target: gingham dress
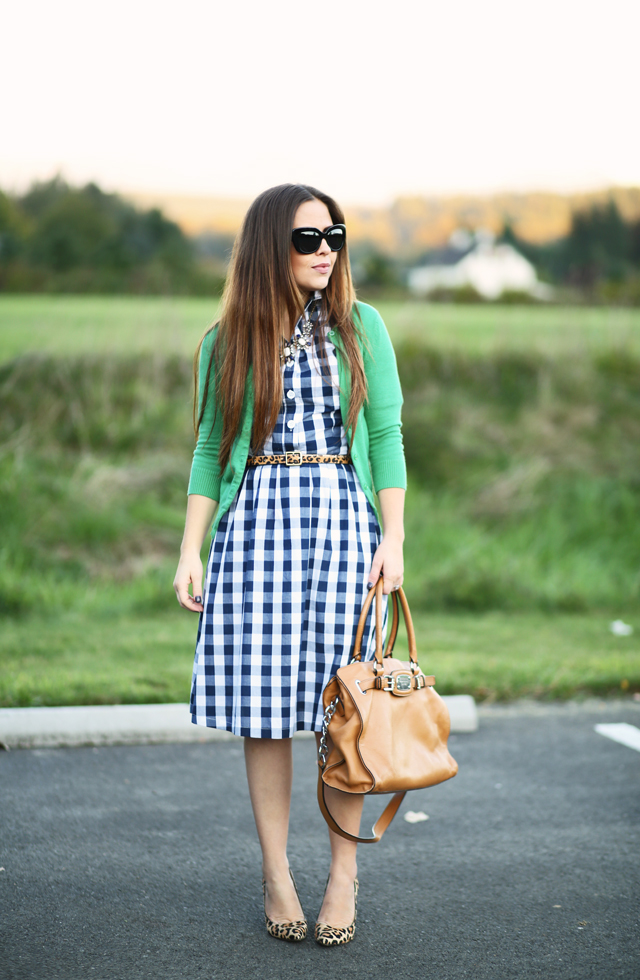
column 287, row 571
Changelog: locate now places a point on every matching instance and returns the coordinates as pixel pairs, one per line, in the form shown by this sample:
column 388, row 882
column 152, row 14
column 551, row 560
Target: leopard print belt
column 295, row 459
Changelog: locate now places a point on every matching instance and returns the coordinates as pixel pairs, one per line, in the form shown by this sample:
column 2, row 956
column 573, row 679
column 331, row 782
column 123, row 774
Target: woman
column 298, row 421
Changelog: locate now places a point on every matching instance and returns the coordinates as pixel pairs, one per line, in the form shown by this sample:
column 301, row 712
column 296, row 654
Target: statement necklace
column 288, row 348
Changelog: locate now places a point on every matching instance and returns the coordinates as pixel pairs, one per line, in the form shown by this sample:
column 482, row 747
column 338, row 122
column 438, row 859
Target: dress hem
column 246, row 732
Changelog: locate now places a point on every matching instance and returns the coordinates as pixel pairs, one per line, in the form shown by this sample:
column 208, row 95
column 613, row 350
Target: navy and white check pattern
column 287, row 572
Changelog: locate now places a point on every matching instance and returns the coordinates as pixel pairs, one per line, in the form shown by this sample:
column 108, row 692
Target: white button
column 291, row 394
column 291, row 424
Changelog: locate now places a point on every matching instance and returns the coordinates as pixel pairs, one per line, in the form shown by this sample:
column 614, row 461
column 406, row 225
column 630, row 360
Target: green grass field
column 82, row 658
column 71, row 325
column 124, row 324
column 522, row 427
column 484, row 329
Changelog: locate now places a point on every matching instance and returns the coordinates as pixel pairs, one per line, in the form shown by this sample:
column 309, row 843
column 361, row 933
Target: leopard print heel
column 327, row 935
column 290, row 932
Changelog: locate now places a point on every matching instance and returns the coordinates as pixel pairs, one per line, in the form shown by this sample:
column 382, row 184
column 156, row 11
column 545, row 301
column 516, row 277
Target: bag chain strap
column 323, row 748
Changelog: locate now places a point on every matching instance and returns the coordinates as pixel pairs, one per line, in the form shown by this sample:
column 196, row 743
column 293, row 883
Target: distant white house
column 477, row 261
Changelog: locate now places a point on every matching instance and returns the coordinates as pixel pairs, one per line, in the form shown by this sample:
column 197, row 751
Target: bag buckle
column 403, row 683
column 400, row 683
column 290, row 461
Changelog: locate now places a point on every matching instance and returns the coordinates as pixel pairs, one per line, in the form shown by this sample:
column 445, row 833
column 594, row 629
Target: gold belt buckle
column 293, row 462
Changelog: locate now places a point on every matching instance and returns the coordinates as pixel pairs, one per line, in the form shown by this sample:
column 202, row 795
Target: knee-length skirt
column 285, row 582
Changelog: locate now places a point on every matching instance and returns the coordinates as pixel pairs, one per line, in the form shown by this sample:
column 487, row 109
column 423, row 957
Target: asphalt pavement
column 134, row 862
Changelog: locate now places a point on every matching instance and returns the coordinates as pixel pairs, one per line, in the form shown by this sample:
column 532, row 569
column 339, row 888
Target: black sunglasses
column 307, row 240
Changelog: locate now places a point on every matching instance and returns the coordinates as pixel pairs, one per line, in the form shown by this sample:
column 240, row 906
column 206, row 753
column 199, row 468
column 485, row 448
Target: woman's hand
column 189, row 573
column 200, row 511
column 388, row 561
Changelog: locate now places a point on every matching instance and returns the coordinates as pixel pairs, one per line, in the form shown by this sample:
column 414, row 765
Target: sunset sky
column 367, row 100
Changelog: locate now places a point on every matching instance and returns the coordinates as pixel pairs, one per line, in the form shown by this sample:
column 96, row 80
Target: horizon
column 588, row 189
column 406, row 224
column 536, row 216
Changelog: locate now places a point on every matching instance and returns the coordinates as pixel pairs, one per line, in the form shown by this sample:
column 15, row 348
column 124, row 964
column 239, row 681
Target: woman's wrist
column 394, row 535
column 392, row 514
column 190, row 549
column 200, row 511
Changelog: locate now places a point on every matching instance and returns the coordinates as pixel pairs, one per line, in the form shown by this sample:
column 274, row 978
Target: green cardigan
column 376, row 451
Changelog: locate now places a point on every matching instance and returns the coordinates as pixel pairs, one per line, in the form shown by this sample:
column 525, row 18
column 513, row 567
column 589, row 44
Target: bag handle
column 397, row 596
column 379, row 826
column 395, row 622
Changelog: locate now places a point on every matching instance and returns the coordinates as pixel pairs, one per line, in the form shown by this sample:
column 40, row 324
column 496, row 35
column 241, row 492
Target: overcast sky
column 366, row 100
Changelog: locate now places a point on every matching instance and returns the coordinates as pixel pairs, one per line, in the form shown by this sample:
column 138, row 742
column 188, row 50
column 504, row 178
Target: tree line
column 59, row 238
column 602, row 249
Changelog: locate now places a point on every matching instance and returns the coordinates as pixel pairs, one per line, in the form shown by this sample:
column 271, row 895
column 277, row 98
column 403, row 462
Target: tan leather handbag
column 385, row 729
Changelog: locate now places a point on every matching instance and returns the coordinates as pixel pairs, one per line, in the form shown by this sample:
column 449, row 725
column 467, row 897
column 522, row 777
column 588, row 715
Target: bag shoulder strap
column 379, row 826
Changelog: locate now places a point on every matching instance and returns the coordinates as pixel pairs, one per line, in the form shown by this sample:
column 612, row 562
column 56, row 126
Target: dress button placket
column 289, row 404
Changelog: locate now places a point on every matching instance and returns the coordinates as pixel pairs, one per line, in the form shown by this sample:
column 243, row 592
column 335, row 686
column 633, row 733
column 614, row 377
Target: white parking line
column 621, row 732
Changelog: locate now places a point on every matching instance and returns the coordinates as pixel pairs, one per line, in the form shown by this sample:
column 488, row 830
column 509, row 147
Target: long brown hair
column 260, row 295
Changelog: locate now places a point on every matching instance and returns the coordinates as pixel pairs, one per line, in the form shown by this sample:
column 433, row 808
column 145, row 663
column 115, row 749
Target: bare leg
column 338, row 905
column 269, row 772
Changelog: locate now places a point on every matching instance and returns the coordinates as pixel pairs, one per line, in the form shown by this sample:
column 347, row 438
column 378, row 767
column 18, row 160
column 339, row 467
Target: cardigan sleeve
column 383, row 405
column 205, row 469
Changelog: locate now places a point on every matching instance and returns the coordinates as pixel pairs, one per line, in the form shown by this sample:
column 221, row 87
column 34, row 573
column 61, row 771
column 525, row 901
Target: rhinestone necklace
column 288, row 348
